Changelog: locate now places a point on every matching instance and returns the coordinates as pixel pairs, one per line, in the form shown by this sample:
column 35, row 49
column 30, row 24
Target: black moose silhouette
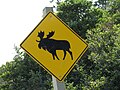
column 51, row 45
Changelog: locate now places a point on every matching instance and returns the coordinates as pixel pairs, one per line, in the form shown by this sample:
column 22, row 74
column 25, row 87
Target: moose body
column 51, row 45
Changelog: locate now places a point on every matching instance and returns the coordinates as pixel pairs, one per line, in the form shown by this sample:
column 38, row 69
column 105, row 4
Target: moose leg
column 64, row 54
column 70, row 54
column 54, row 54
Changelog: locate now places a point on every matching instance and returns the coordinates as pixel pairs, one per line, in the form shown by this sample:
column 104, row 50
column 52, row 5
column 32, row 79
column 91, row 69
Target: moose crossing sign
column 55, row 46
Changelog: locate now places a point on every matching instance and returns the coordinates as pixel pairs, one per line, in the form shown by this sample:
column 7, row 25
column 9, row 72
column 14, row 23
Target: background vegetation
column 99, row 69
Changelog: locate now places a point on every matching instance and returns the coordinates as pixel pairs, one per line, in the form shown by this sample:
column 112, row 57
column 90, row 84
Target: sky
column 17, row 19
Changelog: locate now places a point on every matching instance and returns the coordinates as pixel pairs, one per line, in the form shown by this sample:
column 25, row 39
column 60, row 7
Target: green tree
column 80, row 15
column 104, row 4
column 115, row 6
column 111, row 5
column 104, row 48
column 24, row 74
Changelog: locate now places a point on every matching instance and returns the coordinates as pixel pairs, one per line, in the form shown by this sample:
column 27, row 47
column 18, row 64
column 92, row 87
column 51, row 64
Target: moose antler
column 41, row 34
column 50, row 34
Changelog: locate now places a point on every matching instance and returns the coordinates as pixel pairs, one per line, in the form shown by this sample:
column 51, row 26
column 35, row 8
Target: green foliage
column 110, row 5
column 80, row 15
column 104, row 48
column 104, row 4
column 24, row 74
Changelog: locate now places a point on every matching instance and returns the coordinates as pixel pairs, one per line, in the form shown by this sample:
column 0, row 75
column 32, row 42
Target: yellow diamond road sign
column 55, row 46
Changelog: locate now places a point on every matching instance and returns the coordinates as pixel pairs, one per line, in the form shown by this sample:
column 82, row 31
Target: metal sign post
column 56, row 84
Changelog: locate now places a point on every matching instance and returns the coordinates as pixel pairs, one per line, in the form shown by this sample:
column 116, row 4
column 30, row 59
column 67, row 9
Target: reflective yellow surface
column 58, row 68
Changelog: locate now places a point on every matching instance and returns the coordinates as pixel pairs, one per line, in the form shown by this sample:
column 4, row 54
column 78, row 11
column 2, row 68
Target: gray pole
column 46, row 10
column 56, row 84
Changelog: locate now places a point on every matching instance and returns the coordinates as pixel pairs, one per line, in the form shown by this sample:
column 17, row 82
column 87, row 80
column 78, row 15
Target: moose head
column 51, row 45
